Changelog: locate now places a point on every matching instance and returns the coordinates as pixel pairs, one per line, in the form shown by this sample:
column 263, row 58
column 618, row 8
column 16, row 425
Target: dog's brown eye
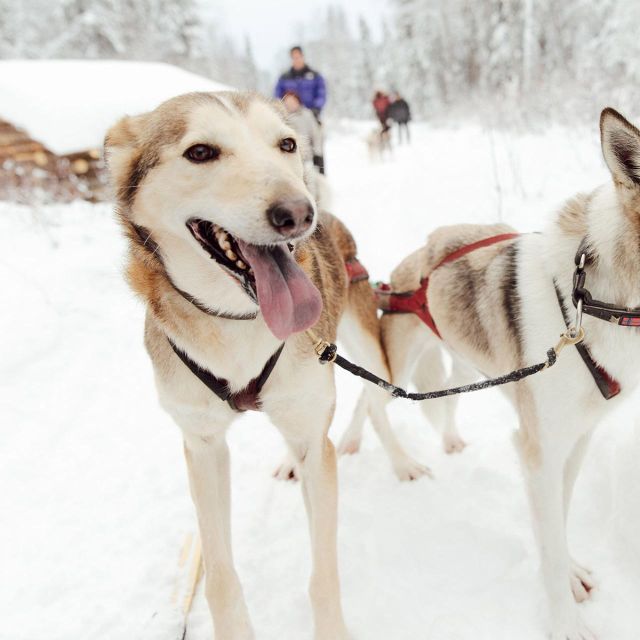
column 201, row 153
column 288, row 145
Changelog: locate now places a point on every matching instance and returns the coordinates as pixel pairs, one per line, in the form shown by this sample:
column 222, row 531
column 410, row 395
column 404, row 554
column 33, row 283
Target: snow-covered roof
column 68, row 105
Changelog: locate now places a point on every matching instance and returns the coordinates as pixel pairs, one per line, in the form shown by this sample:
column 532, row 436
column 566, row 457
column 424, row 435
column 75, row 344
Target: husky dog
column 234, row 262
column 498, row 300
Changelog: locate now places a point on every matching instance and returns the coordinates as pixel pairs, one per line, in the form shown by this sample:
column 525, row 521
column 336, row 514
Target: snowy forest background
column 511, row 58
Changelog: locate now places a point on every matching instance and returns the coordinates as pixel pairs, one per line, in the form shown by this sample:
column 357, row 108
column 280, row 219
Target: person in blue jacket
column 308, row 85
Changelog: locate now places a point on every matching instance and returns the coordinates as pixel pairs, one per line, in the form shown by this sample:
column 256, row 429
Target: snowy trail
column 95, row 502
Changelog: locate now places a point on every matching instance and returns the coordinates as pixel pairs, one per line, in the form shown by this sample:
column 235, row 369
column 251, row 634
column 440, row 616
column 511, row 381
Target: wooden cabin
column 54, row 115
column 30, row 172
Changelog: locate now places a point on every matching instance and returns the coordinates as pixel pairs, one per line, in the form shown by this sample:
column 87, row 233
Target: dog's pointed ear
column 620, row 147
column 122, row 146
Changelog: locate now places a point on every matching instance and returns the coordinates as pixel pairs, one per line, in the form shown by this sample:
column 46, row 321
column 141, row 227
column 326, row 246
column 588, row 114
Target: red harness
column 355, row 270
column 417, row 301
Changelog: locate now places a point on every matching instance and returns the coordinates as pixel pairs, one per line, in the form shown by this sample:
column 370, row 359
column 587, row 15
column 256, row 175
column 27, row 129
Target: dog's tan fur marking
column 572, row 218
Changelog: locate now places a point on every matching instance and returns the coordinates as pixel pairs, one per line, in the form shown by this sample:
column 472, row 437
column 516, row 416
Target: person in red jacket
column 381, row 104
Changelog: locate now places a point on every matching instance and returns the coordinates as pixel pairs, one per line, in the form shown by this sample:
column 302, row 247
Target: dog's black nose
column 290, row 217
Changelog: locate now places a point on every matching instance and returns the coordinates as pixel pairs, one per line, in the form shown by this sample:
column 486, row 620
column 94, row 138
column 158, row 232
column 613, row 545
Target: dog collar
column 585, row 303
column 143, row 235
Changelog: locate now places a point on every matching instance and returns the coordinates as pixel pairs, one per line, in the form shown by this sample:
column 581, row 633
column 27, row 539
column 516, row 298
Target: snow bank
column 68, row 105
column 95, row 505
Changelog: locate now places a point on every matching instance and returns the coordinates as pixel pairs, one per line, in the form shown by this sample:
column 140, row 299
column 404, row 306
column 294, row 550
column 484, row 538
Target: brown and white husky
column 233, row 261
column 501, row 305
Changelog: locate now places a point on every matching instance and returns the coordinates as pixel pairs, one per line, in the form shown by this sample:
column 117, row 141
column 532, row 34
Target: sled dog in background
column 501, row 305
column 379, row 144
column 233, row 261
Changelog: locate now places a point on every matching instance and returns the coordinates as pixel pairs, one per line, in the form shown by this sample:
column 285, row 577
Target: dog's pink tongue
column 289, row 301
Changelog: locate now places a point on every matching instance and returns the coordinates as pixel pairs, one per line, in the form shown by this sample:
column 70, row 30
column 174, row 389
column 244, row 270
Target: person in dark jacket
column 400, row 113
column 309, row 86
column 305, row 82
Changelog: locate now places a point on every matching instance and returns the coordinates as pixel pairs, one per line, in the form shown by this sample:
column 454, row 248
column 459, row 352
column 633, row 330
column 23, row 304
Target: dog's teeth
column 241, row 265
column 231, row 255
column 226, row 245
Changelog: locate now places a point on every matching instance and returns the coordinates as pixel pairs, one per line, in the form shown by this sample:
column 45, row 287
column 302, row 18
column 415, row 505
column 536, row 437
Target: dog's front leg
column 208, row 464
column 545, row 481
column 306, row 434
column 320, row 490
column 582, row 582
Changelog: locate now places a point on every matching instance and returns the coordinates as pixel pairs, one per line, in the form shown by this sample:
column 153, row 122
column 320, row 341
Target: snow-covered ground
column 94, row 503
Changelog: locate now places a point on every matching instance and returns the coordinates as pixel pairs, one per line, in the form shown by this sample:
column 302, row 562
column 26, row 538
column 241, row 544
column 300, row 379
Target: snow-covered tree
column 153, row 30
column 540, row 58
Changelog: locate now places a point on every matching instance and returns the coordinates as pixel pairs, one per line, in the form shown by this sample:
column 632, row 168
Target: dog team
column 235, row 262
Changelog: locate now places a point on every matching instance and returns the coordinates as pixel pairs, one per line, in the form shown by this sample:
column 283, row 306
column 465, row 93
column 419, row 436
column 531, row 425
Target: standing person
column 309, row 86
column 381, row 105
column 304, row 122
column 400, row 113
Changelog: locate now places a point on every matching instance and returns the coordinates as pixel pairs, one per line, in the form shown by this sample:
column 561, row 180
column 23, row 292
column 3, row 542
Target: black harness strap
column 608, row 386
column 244, row 400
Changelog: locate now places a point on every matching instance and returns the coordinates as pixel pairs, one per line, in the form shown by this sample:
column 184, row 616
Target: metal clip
column 571, row 336
column 320, row 347
column 577, row 328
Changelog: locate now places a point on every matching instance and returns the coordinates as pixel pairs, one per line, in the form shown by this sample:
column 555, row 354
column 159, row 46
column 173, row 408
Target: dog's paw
column 287, row 471
column 409, row 469
column 575, row 630
column 348, row 446
column 453, row 443
column 582, row 583
column 341, row 634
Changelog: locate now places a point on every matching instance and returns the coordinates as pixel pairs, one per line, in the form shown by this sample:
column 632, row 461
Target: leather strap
column 469, row 248
column 244, row 400
column 609, row 387
column 415, row 302
column 622, row 316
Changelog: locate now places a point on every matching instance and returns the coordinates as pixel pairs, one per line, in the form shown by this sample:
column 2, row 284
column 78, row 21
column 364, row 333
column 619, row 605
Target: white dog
column 498, row 300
